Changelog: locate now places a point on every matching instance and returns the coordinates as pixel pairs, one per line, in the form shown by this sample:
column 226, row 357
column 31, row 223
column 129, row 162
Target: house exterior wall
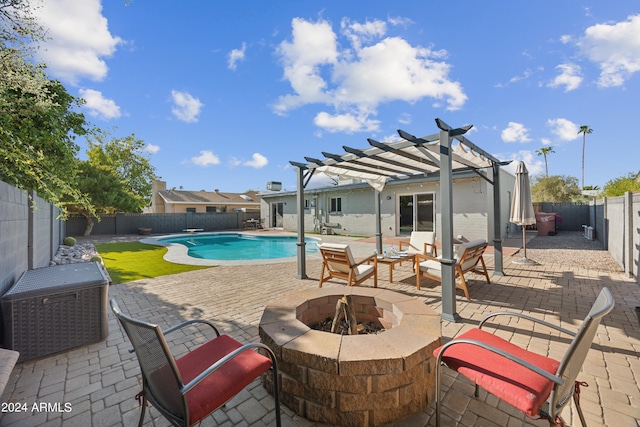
column 472, row 207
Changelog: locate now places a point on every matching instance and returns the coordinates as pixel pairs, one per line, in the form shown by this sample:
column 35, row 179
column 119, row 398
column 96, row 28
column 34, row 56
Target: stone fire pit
column 359, row 380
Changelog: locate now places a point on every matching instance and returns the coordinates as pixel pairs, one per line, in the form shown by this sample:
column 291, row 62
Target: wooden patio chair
column 337, row 261
column 468, row 258
column 188, row 389
column 533, row 383
column 420, row 242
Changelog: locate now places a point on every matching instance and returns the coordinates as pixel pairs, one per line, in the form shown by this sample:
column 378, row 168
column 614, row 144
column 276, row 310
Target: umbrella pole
column 524, row 239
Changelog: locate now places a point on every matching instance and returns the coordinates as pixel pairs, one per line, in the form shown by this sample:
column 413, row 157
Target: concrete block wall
column 159, row 223
column 14, row 235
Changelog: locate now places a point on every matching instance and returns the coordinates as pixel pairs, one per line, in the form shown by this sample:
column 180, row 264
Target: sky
column 225, row 94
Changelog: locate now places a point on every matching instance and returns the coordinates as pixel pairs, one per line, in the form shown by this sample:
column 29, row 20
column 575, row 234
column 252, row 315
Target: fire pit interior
column 351, row 316
column 353, row 379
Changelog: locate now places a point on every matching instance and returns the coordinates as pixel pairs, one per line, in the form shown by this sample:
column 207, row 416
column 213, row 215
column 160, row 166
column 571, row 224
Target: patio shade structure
column 410, row 157
column 522, row 208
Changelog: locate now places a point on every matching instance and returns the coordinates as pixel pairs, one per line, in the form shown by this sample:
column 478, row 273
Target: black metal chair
column 188, row 389
column 535, row 384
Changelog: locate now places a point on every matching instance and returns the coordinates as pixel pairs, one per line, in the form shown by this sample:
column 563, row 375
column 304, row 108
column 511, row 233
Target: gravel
column 572, row 249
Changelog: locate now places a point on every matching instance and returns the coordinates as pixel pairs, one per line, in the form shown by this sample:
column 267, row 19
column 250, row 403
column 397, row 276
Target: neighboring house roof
column 208, row 197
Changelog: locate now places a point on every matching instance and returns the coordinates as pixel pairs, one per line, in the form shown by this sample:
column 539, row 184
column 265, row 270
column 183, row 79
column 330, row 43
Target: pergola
column 442, row 153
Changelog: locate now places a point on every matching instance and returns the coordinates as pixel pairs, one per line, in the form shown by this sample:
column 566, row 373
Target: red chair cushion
column 215, row 390
column 505, row 379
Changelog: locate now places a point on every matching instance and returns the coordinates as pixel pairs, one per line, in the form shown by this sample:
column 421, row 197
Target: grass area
column 128, row 261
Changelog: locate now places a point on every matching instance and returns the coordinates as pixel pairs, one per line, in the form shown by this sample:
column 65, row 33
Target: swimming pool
column 240, row 246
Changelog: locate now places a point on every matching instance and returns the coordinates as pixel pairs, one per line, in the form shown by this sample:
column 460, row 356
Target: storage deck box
column 53, row 309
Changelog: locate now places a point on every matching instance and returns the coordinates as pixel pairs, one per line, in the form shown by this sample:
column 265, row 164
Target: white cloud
column 98, row 105
column 206, row 158
column 348, row 123
column 564, row 129
column 79, row 39
column 394, row 70
column 615, row 48
column 313, row 45
column 569, row 77
column 151, row 148
column 235, row 56
column 359, row 33
column 257, row 161
column 534, row 164
column 355, row 79
column 515, row 132
column 186, row 108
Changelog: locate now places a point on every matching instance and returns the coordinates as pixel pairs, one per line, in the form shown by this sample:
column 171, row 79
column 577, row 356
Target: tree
column 544, row 151
column 106, row 191
column 619, row 186
column 37, row 121
column 126, row 156
column 584, row 130
column 37, row 149
column 20, row 34
column 556, row 188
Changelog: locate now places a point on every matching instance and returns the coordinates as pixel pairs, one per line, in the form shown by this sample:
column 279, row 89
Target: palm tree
column 543, row 152
column 584, row 130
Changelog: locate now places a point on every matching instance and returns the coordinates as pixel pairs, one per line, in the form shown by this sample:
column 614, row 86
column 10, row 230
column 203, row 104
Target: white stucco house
column 406, row 205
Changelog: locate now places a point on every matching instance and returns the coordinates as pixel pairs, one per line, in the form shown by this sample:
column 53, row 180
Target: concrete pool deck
column 100, row 380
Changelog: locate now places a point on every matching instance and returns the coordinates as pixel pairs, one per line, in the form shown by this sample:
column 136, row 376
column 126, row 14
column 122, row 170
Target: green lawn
column 128, row 261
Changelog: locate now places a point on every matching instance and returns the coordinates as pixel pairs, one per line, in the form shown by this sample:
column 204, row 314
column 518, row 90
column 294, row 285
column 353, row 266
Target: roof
column 209, row 197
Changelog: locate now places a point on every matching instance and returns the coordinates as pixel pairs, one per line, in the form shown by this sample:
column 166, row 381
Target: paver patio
column 101, row 380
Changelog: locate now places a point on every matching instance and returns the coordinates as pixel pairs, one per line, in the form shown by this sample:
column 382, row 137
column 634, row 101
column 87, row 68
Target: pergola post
column 378, row 222
column 302, row 262
column 497, row 224
column 446, row 205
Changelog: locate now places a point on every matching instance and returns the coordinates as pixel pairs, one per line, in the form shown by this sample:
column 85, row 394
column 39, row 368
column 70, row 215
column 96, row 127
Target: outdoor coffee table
column 392, row 261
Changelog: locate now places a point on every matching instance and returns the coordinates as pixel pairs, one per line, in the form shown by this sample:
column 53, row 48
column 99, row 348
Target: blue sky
column 225, row 94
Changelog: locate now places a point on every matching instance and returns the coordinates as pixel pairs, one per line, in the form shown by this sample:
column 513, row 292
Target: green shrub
column 97, row 258
column 69, row 241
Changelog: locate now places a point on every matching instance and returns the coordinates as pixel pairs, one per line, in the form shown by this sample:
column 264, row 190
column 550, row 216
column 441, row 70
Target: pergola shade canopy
column 396, row 160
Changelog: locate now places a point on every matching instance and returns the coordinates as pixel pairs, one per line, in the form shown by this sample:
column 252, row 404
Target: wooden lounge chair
column 468, row 258
column 338, row 261
column 421, row 242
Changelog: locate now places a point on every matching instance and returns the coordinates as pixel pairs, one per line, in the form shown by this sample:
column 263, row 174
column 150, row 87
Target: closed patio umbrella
column 522, row 207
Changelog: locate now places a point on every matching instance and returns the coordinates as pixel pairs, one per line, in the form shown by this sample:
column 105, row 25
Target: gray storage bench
column 53, row 309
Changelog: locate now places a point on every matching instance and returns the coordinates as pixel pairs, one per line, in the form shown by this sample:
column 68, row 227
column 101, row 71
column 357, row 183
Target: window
column 211, row 209
column 336, row 204
column 191, row 210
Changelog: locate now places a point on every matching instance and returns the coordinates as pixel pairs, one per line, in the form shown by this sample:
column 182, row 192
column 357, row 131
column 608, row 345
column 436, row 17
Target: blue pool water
column 238, row 246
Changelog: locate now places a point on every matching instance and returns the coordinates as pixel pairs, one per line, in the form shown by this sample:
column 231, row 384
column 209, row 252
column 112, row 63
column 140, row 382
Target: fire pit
column 363, row 380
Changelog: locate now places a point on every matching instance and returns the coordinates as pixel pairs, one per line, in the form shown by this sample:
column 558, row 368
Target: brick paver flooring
column 101, row 380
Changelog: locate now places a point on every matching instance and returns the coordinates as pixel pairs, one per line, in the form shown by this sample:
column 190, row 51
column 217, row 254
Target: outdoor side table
column 53, row 309
column 392, row 261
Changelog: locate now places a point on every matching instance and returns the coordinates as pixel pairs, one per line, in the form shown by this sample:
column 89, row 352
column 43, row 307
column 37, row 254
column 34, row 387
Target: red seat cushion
column 507, row 380
column 215, row 390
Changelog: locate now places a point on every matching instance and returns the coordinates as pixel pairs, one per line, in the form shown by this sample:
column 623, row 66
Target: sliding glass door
column 416, row 212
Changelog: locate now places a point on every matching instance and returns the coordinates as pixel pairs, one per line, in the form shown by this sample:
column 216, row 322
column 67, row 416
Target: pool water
column 238, row 246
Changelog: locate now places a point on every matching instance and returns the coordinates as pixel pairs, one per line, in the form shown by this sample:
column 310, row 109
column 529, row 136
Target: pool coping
column 178, row 253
